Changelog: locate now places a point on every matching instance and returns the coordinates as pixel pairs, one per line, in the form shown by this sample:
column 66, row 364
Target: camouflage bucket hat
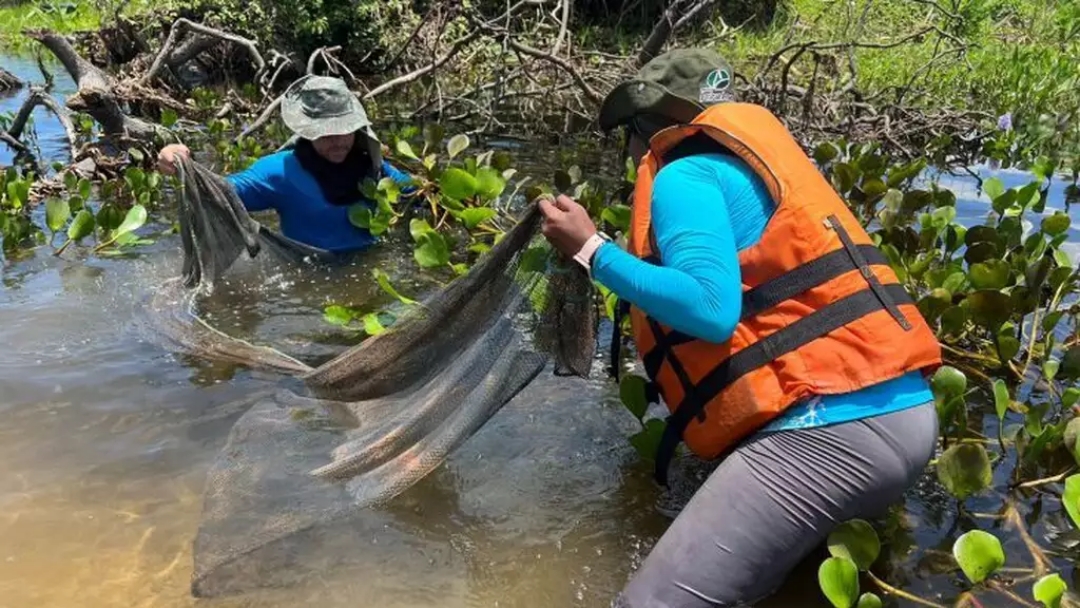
column 317, row 106
column 677, row 85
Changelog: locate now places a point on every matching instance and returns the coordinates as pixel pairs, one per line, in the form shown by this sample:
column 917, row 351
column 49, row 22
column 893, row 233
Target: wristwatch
column 588, row 251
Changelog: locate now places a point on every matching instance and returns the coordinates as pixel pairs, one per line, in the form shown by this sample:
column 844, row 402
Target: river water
column 106, row 438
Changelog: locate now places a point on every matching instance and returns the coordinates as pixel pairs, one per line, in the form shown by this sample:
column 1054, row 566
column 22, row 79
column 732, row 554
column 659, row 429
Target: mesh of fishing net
column 365, row 426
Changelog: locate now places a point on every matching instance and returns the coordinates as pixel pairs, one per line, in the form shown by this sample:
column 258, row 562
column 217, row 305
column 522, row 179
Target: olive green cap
column 678, row 85
column 317, row 106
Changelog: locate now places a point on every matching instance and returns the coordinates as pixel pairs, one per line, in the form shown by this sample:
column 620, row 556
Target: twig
column 562, row 63
column 182, row 24
column 419, row 73
column 564, row 24
column 261, row 120
column 1047, row 480
column 889, row 589
column 1042, row 563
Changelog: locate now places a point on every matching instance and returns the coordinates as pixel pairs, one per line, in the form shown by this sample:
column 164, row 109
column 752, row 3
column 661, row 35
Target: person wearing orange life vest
column 775, row 332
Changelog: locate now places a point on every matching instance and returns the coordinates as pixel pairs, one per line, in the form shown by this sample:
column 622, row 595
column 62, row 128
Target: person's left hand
column 567, row 224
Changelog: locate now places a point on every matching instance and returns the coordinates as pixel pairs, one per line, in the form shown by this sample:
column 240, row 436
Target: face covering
column 339, row 182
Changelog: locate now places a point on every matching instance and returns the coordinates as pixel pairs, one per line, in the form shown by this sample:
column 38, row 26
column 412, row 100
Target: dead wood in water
column 97, row 91
column 9, row 81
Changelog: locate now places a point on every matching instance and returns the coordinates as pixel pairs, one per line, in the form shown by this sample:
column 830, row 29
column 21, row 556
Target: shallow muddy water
column 106, row 437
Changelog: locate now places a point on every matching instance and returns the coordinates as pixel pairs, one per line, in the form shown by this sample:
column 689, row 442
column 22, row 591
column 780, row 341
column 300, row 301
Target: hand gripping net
column 367, row 425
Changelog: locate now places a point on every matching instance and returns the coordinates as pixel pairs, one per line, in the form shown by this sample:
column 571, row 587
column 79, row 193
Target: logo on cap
column 715, row 87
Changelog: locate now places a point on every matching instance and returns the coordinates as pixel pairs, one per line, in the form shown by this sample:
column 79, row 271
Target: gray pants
column 773, row 501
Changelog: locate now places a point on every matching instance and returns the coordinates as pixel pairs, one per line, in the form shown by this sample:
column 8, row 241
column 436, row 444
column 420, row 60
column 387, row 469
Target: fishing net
column 362, row 428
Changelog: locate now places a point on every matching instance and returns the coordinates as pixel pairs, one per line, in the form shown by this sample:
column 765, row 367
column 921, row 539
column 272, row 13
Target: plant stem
column 889, row 589
column 1045, row 480
column 1042, row 563
column 996, row 586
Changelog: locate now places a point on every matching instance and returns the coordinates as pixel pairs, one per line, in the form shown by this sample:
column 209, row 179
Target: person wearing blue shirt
column 778, row 493
column 313, row 183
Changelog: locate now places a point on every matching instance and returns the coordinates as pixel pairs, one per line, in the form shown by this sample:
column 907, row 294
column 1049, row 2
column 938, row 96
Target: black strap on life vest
column 796, row 335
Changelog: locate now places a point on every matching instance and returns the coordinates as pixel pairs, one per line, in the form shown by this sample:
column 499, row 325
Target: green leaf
column 980, row 234
column 989, row 308
column 618, row 216
column 1070, row 397
column 337, row 315
column 1001, row 398
column 563, row 181
column 458, row 184
column 993, row 188
column 1070, row 363
column 372, row 325
column 981, row 252
column 942, row 217
column 948, row 383
column 1062, row 258
column 1049, row 590
column 953, row 320
column 1008, row 347
column 57, row 213
column 869, row 600
column 390, row 192
column 81, row 226
column 1056, row 224
column 457, row 145
column 857, row 541
column 432, row 251
column 991, row 274
column 839, row 581
column 135, row 218
column 955, row 283
column 360, row 216
column 979, row 555
column 384, row 283
column 1070, row 499
column 844, row 177
column 1050, row 368
column 633, row 395
column 419, row 227
column 647, row 441
column 964, row 470
column 474, row 216
column 825, row 152
column 168, row 117
column 489, row 184
column 405, row 149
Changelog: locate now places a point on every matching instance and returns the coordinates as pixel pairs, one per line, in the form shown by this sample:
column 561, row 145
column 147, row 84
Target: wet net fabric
column 365, row 426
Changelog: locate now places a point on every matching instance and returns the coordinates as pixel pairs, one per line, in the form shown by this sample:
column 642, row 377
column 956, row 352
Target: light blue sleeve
column 257, row 185
column 698, row 289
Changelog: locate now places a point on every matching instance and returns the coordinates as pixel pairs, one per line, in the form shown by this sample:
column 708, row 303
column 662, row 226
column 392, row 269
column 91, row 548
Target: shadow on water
column 107, row 438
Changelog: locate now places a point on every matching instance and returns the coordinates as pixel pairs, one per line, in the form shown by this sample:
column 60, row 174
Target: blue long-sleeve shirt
column 706, row 209
column 279, row 182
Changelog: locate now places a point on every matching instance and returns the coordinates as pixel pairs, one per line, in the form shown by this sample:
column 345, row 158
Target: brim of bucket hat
column 635, row 97
column 311, row 128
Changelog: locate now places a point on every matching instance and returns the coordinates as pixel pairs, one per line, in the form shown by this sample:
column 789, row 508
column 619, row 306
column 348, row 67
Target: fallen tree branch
column 96, row 95
column 182, row 25
column 9, row 81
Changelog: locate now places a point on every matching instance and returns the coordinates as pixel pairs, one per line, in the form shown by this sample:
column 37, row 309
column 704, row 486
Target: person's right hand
column 167, row 157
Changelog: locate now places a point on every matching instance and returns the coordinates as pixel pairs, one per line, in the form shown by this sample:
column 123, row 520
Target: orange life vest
column 822, row 311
